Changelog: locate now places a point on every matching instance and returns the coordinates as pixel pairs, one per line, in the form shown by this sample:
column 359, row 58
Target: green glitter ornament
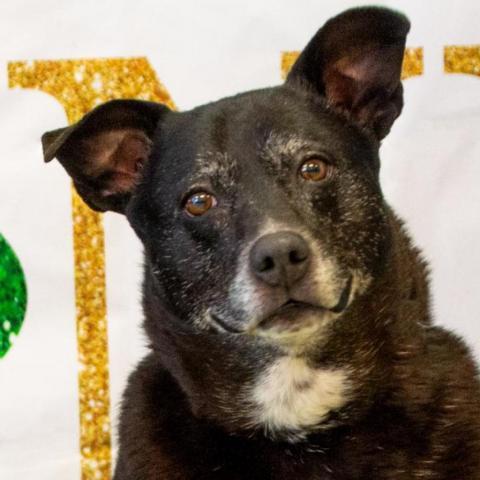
column 13, row 296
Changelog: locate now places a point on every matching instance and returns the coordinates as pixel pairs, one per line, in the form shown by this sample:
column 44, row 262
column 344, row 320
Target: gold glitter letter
column 462, row 59
column 80, row 85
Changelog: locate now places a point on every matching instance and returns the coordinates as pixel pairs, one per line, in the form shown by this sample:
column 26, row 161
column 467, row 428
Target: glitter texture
column 412, row 62
column 465, row 59
column 13, row 296
column 80, row 85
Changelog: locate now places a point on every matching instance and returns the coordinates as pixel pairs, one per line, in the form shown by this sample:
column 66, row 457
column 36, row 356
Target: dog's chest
column 293, row 398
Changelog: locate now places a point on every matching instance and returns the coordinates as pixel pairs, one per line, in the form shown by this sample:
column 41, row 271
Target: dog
column 286, row 307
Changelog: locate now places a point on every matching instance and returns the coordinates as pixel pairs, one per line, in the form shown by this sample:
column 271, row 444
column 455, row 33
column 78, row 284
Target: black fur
column 412, row 405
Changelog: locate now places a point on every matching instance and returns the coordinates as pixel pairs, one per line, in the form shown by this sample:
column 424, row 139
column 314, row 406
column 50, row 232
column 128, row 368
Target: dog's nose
column 280, row 258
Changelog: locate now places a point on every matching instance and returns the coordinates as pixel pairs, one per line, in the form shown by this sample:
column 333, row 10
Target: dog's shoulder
column 151, row 405
column 445, row 366
column 438, row 390
column 160, row 438
column 455, row 409
column 456, row 371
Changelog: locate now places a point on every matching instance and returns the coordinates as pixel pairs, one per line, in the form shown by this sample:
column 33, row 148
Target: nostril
column 296, row 256
column 266, row 264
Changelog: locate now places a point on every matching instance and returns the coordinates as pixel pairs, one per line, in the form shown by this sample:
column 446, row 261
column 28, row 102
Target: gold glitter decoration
column 464, row 59
column 288, row 59
column 412, row 62
column 80, row 85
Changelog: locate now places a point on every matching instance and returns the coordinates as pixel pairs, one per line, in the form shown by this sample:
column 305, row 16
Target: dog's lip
column 286, row 315
column 294, row 307
column 291, row 306
column 344, row 299
column 224, row 325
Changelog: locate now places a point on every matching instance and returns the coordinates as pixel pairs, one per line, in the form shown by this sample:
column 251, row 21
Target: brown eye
column 199, row 203
column 314, row 170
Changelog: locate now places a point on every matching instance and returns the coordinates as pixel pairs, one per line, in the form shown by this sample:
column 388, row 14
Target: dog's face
column 261, row 215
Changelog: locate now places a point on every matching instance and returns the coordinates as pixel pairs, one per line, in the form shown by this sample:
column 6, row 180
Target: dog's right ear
column 105, row 151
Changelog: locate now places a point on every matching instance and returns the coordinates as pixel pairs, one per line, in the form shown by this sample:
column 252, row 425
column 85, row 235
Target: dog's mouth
column 291, row 316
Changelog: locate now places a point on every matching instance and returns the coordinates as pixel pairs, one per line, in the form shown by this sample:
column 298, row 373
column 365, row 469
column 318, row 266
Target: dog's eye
column 199, row 203
column 314, row 170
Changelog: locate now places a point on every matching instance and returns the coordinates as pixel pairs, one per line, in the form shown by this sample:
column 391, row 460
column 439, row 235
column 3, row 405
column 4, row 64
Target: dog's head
column 261, row 215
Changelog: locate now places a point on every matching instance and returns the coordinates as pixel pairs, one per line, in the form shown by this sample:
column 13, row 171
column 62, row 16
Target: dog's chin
column 290, row 317
column 294, row 324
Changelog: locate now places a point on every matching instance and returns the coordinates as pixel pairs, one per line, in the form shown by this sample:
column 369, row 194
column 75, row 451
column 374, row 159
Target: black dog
column 286, row 308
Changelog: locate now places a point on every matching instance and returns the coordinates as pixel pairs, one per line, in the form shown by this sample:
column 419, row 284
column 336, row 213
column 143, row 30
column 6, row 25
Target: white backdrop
column 202, row 51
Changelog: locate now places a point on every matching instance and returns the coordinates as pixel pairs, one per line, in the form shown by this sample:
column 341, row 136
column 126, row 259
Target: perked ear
column 105, row 151
column 355, row 62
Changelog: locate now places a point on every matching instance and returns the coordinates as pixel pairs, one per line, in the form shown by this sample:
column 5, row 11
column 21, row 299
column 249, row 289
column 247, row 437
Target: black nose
column 280, row 258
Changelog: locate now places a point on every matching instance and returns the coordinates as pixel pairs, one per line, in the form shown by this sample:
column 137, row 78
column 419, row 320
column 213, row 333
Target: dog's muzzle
column 290, row 315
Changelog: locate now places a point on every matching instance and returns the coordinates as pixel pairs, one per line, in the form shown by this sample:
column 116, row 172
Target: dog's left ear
column 355, row 62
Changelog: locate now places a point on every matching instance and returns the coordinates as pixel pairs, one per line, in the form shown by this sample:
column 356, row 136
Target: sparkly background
column 462, row 59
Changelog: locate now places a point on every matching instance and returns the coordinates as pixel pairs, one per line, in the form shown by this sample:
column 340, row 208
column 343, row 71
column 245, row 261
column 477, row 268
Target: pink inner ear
column 118, row 157
column 340, row 89
column 363, row 67
column 349, row 77
column 362, row 84
column 132, row 152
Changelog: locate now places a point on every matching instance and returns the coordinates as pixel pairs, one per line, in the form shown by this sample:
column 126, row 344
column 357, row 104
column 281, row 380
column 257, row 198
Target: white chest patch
column 292, row 396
